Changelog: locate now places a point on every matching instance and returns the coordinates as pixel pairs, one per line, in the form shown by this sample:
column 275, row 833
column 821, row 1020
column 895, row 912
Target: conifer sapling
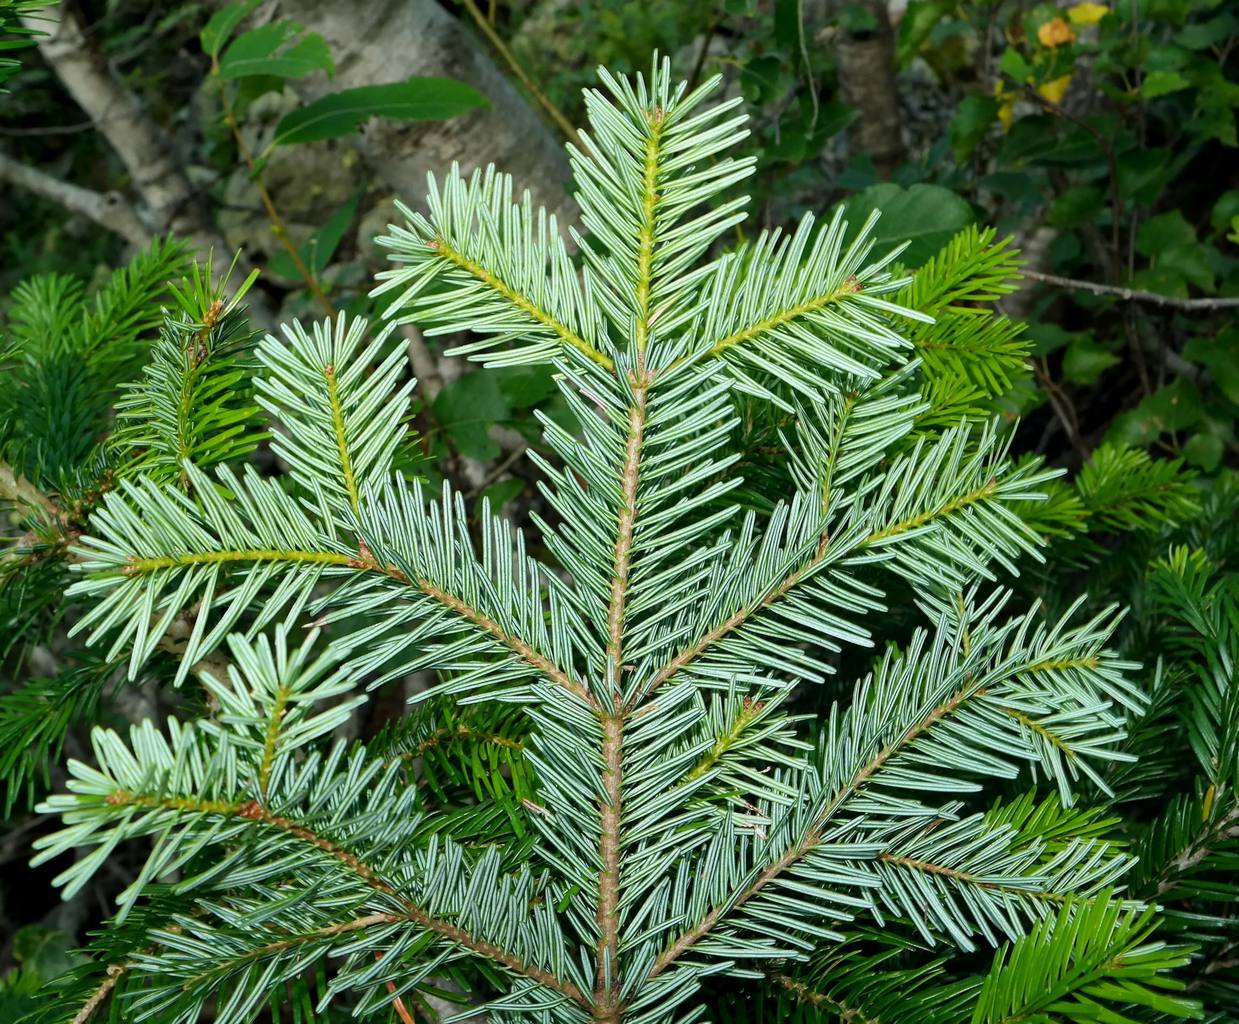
column 684, row 822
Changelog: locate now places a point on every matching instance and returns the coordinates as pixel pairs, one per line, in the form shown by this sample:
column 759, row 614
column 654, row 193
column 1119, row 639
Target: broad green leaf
column 1174, row 407
column 1208, row 33
column 786, row 23
column 1224, row 211
column 1205, row 451
column 1076, row 205
column 1014, row 65
column 1170, row 242
column 223, row 23
column 1023, row 189
column 917, row 23
column 1085, row 361
column 1047, row 337
column 1143, row 174
column 467, row 408
column 1192, row 262
column 857, row 19
column 971, row 121
column 925, row 216
column 525, row 386
column 1215, row 113
column 45, row 951
column 1161, row 83
column 499, row 494
column 264, row 51
column 316, row 253
column 1162, row 280
column 417, row 99
column 1157, row 234
column 1220, row 354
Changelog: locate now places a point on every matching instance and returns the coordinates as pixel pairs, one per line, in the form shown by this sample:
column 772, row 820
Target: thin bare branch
column 496, row 40
column 109, row 210
column 144, row 149
column 1133, row 294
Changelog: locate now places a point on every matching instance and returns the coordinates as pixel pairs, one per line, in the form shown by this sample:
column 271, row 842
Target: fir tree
column 669, row 818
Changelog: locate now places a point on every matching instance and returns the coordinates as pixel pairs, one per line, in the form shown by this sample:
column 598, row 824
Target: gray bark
column 391, row 40
column 169, row 200
column 108, row 209
column 867, row 81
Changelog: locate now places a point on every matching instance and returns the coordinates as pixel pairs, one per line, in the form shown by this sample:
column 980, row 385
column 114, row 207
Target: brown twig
column 1061, row 405
column 1116, row 199
column 100, row 995
column 397, row 1003
column 278, row 227
column 1132, row 294
column 805, row 994
column 1202, row 844
column 493, row 476
column 109, row 210
column 700, row 63
column 504, row 51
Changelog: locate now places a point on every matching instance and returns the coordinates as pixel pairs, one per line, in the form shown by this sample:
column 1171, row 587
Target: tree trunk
column 390, row 40
column 169, row 200
column 169, row 203
column 867, row 80
column 107, row 209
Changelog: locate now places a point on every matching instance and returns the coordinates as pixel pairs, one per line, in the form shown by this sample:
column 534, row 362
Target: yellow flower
column 1055, row 90
column 1087, row 13
column 1055, row 32
column 1006, row 112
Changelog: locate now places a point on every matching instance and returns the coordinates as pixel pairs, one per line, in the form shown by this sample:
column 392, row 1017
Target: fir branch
column 520, row 302
column 645, row 234
column 1091, row 959
column 755, row 332
column 344, row 405
column 214, row 538
column 468, row 243
column 100, row 995
column 192, row 403
column 1211, row 834
column 448, row 930
column 611, row 809
column 934, row 502
column 461, row 732
column 271, row 738
column 647, row 813
column 976, row 678
column 955, row 504
column 250, row 811
column 738, row 619
column 329, row 931
column 363, row 563
column 337, row 423
column 806, row 994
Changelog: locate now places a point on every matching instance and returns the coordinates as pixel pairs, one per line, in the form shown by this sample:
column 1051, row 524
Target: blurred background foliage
column 1099, row 138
